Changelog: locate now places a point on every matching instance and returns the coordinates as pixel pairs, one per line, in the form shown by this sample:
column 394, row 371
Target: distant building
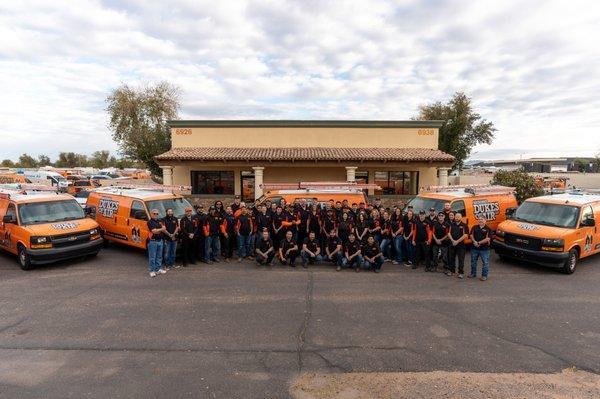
column 541, row 165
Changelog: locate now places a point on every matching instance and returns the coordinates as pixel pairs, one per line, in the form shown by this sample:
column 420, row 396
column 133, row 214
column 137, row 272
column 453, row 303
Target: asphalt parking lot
column 102, row 328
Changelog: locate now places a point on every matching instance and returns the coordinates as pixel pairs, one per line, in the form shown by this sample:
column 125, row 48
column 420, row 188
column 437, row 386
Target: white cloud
column 532, row 68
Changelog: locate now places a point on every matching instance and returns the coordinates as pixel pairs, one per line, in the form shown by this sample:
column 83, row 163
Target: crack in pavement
column 301, row 338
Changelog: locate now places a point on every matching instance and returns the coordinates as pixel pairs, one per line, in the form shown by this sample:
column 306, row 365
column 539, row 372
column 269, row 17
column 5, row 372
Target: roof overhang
column 307, row 123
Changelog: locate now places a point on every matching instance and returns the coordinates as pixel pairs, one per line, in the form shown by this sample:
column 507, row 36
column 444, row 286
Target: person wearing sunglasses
column 156, row 235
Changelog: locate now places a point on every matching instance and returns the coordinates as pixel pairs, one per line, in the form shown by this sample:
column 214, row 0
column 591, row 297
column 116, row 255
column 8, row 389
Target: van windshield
column 49, row 212
column 558, row 215
column 177, row 204
column 424, row 204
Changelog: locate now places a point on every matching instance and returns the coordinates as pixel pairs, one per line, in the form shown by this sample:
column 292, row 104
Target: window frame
column 195, row 185
column 132, row 210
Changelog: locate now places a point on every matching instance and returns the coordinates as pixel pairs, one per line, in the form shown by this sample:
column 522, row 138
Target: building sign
column 108, row 207
column 426, row 132
column 183, row 132
column 485, row 208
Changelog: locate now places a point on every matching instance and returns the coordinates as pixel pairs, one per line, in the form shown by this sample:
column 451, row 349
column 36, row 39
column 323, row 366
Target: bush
column 523, row 183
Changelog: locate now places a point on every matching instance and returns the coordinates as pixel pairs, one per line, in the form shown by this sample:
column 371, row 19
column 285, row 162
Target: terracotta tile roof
column 304, row 154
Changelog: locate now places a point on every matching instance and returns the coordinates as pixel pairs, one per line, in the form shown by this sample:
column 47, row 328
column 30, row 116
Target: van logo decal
column 65, row 225
column 489, row 210
column 107, row 207
column 525, row 226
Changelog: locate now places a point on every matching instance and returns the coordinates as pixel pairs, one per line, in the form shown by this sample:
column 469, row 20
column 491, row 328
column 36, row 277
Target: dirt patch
column 569, row 383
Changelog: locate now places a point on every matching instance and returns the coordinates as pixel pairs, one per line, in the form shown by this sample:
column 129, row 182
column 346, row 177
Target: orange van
column 123, row 213
column 553, row 230
column 12, row 178
column 45, row 227
column 317, row 193
column 471, row 201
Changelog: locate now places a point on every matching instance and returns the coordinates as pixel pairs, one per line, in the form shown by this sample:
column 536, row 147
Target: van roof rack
column 144, row 187
column 319, row 186
column 474, row 189
column 25, row 189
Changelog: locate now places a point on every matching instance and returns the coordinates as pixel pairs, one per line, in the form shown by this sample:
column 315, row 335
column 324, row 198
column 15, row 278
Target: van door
column 137, row 228
column 8, row 238
column 587, row 234
column 596, row 228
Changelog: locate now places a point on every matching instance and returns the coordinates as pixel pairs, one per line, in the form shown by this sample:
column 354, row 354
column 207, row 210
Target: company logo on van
column 107, row 207
column 487, row 209
column 65, row 225
column 525, row 226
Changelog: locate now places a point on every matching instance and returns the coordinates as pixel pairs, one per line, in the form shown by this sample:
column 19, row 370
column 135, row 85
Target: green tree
column 580, row 165
column 463, row 128
column 523, row 183
column 100, row 159
column 44, row 160
column 71, row 160
column 7, row 163
column 138, row 120
column 27, row 161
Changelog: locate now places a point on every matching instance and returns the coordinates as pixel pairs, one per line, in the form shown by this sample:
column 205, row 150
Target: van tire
column 571, row 263
column 24, row 258
column 93, row 255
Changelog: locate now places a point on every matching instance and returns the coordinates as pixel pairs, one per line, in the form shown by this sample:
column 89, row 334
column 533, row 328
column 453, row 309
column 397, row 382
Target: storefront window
column 212, row 182
column 247, row 186
column 394, row 183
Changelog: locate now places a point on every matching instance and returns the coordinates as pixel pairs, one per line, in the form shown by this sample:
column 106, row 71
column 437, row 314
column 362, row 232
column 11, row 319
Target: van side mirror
column 8, row 219
column 510, row 212
column 588, row 222
column 90, row 211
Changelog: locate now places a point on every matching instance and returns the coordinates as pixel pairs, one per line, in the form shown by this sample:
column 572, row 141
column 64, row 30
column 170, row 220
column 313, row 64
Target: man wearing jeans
column 213, row 227
column 352, row 250
column 170, row 243
column 459, row 232
column 481, row 237
column 155, row 244
column 372, row 255
column 243, row 229
column 311, row 250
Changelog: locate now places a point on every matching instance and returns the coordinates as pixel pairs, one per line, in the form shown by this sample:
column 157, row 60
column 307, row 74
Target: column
column 351, row 173
column 237, row 182
column 258, row 180
column 443, row 176
column 371, row 174
column 413, row 188
column 167, row 175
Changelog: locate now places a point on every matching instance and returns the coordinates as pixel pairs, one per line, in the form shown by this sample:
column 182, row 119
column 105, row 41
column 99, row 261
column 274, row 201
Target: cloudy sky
column 531, row 67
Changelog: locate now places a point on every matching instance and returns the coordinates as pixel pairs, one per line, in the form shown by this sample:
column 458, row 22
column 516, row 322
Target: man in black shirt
column 199, row 219
column 264, row 249
column 288, row 250
column 187, row 229
column 156, row 229
column 439, row 248
column 311, row 250
column 302, row 213
column 229, row 236
column 458, row 234
column 421, row 240
column 171, row 233
column 214, row 226
column 481, row 235
column 373, row 258
column 333, row 249
column 236, row 204
column 353, row 253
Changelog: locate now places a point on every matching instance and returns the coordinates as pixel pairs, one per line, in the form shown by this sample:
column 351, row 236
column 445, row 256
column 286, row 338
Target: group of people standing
column 357, row 236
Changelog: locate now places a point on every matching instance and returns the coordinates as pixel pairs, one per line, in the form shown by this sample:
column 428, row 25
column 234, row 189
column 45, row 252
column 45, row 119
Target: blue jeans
column 357, row 261
column 398, row 240
column 155, row 255
column 385, row 247
column 375, row 265
column 244, row 245
column 484, row 254
column 410, row 250
column 307, row 258
column 170, row 247
column 212, row 248
column 338, row 258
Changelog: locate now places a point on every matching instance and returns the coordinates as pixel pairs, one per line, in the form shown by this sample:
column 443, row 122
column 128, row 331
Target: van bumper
column 550, row 259
column 42, row 256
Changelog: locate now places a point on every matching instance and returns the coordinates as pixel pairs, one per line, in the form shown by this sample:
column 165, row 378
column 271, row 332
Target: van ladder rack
column 473, row 189
column 319, row 185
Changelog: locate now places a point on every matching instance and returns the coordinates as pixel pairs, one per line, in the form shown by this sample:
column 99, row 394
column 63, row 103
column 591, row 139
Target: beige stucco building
column 226, row 158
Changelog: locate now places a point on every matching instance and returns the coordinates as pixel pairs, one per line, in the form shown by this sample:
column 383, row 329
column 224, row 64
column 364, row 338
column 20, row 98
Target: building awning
column 305, row 154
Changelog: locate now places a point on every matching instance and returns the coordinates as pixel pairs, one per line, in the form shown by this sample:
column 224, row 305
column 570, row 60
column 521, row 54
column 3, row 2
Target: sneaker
column 152, row 274
column 216, row 260
column 177, row 266
column 162, row 271
column 483, row 278
column 240, row 259
column 338, row 268
column 449, row 273
column 210, row 262
column 461, row 276
column 304, row 265
column 395, row 263
column 406, row 264
column 357, row 269
column 410, row 263
column 377, row 270
column 471, row 276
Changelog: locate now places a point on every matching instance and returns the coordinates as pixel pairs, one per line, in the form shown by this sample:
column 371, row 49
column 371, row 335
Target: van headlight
column 553, row 242
column 39, row 240
column 500, row 233
column 93, row 232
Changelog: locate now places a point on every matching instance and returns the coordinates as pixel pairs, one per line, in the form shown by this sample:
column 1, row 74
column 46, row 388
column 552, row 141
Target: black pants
column 199, row 245
column 456, row 252
column 188, row 254
column 421, row 254
column 229, row 246
column 437, row 252
column 261, row 260
column 289, row 258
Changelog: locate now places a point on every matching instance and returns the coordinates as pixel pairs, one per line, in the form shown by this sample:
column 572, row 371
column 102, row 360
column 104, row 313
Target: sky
column 531, row 67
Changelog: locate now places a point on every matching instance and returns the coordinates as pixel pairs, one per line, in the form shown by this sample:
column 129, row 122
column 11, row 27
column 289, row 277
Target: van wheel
column 571, row 262
column 24, row 258
column 93, row 255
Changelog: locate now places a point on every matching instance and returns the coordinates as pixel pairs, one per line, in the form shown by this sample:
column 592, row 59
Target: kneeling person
column 311, row 250
column 288, row 250
column 353, row 253
column 265, row 252
column 372, row 255
column 333, row 249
